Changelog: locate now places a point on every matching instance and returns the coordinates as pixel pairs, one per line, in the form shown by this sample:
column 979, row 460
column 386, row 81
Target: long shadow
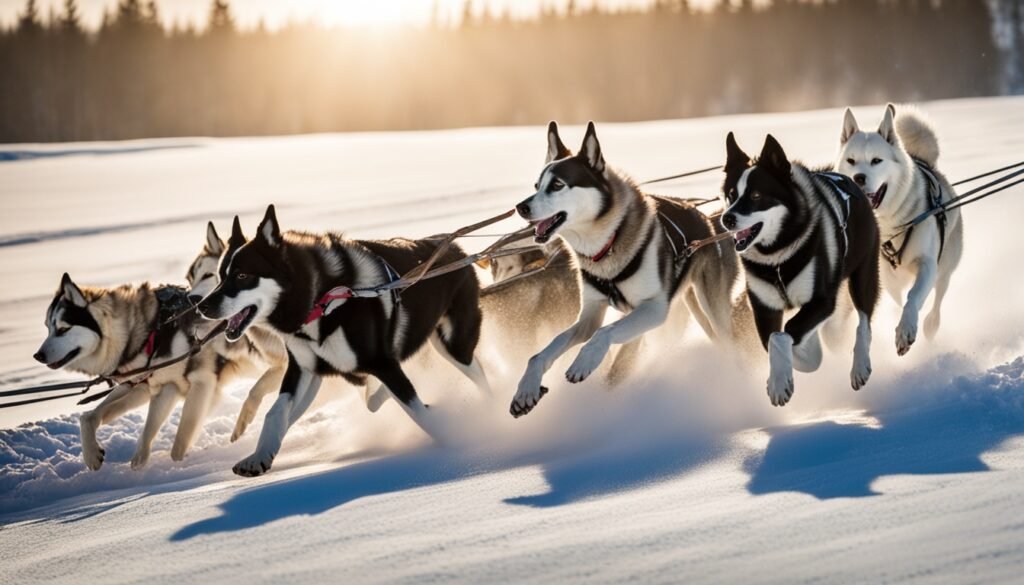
column 620, row 466
column 831, row 460
column 21, row 155
column 317, row 493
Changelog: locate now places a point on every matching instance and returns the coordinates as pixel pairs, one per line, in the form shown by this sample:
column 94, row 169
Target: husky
column 801, row 236
column 531, row 309
column 630, row 247
column 103, row 331
column 282, row 280
column 203, row 275
column 896, row 167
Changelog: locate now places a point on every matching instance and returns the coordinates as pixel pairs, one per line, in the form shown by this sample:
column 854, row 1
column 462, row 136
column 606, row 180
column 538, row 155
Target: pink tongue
column 235, row 321
column 542, row 228
column 742, row 234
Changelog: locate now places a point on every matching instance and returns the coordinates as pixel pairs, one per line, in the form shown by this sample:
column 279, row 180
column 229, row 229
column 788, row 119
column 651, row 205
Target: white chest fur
column 799, row 290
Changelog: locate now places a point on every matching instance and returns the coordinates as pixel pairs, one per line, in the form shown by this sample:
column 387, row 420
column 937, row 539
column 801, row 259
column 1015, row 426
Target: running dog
column 801, row 235
column 104, row 331
column 631, row 248
column 283, row 281
column 896, row 167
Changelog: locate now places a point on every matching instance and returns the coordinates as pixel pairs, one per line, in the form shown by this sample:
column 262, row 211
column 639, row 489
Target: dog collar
column 150, row 346
column 605, row 250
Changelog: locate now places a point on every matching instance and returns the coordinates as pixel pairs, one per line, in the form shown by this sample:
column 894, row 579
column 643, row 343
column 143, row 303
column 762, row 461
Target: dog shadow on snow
column 948, row 433
column 608, row 468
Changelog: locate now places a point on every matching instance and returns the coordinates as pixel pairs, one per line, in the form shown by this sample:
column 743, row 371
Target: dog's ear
column 892, row 109
column 735, row 158
column 888, row 128
column 774, row 160
column 850, row 127
column 484, row 263
column 269, row 229
column 71, row 293
column 237, row 237
column 556, row 149
column 214, row 245
column 591, row 149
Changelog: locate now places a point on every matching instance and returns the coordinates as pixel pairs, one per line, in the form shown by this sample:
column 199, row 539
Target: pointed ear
column 214, row 244
column 892, row 108
column 735, row 158
column 71, row 292
column 888, row 128
column 269, row 230
column 591, row 149
column 484, row 263
column 773, row 159
column 237, row 237
column 850, row 127
column 556, row 149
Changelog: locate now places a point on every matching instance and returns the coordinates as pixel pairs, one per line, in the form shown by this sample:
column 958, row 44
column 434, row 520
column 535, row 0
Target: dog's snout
column 39, row 356
column 524, row 209
column 860, row 179
column 729, row 221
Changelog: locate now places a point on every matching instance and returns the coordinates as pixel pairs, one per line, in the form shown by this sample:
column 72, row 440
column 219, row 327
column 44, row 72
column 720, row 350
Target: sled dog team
column 813, row 244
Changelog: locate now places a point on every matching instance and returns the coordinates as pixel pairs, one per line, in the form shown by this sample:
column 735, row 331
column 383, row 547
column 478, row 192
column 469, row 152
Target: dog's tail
column 916, row 133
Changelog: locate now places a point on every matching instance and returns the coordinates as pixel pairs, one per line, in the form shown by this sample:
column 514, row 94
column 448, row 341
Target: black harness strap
column 893, row 255
column 609, row 287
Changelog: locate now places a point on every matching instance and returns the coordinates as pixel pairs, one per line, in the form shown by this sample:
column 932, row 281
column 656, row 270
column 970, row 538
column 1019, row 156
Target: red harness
column 604, row 251
column 319, row 307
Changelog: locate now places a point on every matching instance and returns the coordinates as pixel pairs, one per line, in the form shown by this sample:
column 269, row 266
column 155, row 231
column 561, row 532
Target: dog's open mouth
column 877, row 197
column 65, row 360
column 545, row 228
column 744, row 238
column 238, row 323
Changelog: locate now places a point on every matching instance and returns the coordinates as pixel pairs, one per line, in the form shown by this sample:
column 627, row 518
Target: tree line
column 133, row 78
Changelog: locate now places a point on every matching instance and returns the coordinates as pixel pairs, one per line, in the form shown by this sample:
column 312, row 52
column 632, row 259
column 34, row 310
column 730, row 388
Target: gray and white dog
column 103, row 331
column 896, row 168
column 628, row 246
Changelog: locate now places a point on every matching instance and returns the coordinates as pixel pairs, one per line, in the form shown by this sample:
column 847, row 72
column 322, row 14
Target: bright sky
column 329, row 12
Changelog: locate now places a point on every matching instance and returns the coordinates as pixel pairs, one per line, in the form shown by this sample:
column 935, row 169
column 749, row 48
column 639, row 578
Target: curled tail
column 917, row 134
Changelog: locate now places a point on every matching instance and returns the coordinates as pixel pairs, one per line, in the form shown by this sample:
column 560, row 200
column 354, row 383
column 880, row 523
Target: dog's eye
column 851, row 161
column 875, row 161
column 241, row 276
column 63, row 330
column 755, row 196
column 556, row 185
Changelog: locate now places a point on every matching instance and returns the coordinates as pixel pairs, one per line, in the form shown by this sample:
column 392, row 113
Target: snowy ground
column 686, row 474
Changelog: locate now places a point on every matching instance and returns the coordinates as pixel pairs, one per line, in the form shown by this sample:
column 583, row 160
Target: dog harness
column 343, row 292
column 170, row 301
column 889, row 251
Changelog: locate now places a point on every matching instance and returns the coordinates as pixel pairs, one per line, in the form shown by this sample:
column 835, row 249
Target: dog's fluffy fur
column 882, row 162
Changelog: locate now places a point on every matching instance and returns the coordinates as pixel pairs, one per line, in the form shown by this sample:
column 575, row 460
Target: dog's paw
column 906, row 335
column 141, row 459
column 860, row 373
column 589, row 358
column 780, row 388
column 93, row 457
column 178, row 453
column 525, row 401
column 240, row 426
column 253, row 465
column 376, row 399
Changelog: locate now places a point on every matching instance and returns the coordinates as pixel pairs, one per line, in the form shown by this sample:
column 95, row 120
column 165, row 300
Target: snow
column 684, row 474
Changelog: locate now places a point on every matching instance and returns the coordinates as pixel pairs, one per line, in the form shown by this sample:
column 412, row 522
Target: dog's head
column 73, row 331
column 758, row 195
column 875, row 160
column 572, row 190
column 208, row 268
column 252, row 278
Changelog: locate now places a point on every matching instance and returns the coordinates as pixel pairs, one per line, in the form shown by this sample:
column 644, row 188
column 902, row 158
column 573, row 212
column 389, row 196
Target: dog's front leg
column 160, row 407
column 648, row 315
column 202, row 393
column 121, row 399
column 270, row 380
column 298, row 389
column 906, row 331
column 530, row 390
column 780, row 346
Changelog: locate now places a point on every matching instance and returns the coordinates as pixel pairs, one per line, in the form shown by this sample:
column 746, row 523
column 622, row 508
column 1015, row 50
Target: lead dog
column 896, row 167
column 627, row 244
column 101, row 331
column 800, row 236
column 280, row 280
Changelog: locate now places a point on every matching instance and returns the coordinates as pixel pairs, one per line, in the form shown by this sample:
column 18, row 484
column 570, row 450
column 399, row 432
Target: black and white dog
column 629, row 246
column 801, row 235
column 281, row 279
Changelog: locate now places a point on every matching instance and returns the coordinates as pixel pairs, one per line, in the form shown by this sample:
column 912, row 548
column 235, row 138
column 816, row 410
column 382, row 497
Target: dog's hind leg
column 863, row 288
column 694, row 305
column 121, row 399
column 947, row 265
column 395, row 380
column 472, row 370
column 625, row 361
column 160, row 407
column 202, row 393
column 268, row 382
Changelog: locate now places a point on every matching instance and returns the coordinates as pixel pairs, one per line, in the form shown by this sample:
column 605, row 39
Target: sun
column 366, row 13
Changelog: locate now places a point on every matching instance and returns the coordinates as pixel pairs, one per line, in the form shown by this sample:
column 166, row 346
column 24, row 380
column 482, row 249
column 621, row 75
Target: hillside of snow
column 685, row 473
